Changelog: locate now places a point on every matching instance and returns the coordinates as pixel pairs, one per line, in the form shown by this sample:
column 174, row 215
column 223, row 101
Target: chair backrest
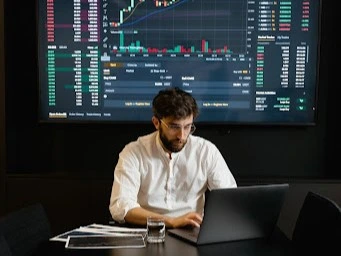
column 25, row 229
column 318, row 226
column 4, row 248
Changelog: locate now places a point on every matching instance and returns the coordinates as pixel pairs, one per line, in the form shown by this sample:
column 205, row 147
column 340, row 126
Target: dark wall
column 251, row 151
column 2, row 111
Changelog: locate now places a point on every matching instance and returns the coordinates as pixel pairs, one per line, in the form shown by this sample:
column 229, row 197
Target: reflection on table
column 278, row 244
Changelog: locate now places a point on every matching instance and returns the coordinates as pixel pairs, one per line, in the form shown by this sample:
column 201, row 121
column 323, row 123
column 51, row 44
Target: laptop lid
column 245, row 212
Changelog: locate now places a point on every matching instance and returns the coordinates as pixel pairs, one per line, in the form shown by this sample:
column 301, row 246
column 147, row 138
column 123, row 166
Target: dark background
column 69, row 167
column 257, row 151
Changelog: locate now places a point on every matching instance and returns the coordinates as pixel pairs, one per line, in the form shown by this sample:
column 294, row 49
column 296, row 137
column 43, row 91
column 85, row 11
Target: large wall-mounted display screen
column 245, row 61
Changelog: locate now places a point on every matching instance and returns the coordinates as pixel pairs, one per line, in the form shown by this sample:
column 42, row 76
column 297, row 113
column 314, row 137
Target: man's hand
column 189, row 219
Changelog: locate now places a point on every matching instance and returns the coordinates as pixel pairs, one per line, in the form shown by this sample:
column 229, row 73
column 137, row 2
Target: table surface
column 277, row 245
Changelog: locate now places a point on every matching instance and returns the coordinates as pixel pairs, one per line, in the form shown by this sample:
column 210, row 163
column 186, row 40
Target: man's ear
column 156, row 122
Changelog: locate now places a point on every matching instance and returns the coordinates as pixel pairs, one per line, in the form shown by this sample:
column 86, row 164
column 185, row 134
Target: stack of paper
column 102, row 236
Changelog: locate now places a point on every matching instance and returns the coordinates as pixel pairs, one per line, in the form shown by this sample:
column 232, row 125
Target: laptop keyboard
column 187, row 233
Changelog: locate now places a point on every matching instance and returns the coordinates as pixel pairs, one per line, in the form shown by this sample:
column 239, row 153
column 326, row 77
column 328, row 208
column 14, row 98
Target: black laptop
column 232, row 214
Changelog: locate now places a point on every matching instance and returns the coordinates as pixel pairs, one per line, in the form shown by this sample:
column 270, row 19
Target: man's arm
column 219, row 175
column 139, row 216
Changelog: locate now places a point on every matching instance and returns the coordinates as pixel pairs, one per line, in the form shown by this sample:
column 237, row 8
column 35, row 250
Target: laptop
column 232, row 214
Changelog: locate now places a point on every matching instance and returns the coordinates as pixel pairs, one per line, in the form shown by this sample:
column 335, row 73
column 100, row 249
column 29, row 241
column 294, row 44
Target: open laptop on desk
column 240, row 213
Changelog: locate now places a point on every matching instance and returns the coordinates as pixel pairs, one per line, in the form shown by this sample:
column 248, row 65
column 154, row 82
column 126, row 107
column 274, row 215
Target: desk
column 277, row 245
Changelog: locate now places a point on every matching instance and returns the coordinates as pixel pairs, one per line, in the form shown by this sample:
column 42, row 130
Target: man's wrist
column 169, row 222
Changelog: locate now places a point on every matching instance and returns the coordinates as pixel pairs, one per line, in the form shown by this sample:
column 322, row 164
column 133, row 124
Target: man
column 167, row 172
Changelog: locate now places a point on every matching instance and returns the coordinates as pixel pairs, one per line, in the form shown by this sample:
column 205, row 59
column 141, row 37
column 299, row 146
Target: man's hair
column 174, row 102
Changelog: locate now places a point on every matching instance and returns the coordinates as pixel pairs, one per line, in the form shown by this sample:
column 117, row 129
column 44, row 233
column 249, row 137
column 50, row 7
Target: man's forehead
column 186, row 120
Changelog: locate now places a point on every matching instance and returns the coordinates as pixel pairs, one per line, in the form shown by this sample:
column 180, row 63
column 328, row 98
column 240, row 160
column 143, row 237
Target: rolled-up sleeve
column 219, row 174
column 125, row 186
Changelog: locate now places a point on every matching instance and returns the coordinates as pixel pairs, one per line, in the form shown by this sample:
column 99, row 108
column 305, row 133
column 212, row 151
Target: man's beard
column 171, row 145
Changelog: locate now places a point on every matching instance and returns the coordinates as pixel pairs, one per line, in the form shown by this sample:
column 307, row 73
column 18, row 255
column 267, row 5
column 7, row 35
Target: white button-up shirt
column 146, row 177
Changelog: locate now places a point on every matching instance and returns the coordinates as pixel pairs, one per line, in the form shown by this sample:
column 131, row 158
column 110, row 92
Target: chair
column 4, row 249
column 24, row 230
column 318, row 226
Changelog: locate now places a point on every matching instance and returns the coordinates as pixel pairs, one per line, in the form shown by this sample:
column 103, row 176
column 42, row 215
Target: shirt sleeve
column 219, row 174
column 125, row 185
